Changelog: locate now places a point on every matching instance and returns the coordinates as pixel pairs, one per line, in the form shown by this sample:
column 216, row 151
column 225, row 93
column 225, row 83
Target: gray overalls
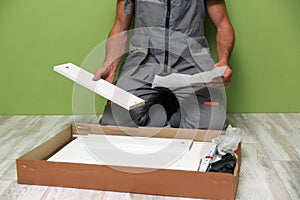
column 168, row 37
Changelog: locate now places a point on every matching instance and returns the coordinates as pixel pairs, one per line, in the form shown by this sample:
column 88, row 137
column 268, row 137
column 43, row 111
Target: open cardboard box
column 33, row 167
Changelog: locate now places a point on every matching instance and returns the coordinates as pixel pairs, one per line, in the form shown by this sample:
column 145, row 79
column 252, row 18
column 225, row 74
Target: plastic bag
column 228, row 143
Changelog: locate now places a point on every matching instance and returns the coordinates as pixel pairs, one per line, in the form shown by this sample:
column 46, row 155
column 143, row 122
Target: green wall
column 35, row 35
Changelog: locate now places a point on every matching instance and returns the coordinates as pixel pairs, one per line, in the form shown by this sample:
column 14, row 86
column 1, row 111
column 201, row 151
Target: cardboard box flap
column 49, row 147
column 161, row 182
column 195, row 134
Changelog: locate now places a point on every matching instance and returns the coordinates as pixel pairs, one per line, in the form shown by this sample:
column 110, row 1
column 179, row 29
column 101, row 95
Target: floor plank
column 71, row 193
column 290, row 176
column 258, row 178
column 294, row 119
column 277, row 136
column 8, row 170
column 16, row 191
column 3, row 186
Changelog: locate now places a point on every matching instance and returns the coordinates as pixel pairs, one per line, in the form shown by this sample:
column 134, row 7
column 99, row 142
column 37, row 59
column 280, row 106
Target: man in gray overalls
column 168, row 38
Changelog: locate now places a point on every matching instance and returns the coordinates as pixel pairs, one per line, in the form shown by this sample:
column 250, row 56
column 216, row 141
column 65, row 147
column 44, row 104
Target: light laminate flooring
column 270, row 157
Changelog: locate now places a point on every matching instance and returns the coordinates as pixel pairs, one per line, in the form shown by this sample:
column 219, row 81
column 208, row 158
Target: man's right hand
column 105, row 73
column 116, row 44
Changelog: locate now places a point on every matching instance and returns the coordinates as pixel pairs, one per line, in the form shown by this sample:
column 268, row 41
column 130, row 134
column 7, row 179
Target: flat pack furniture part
column 207, row 159
column 33, row 167
column 101, row 87
column 176, row 80
column 190, row 160
column 134, row 151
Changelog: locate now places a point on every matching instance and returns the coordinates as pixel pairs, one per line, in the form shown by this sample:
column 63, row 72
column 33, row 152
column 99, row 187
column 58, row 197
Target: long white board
column 101, row 87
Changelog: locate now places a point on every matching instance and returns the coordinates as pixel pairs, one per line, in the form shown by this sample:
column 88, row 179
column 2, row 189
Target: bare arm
column 116, row 44
column 225, row 36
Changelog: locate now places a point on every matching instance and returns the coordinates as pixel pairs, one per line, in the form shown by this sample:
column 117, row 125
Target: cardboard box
column 33, row 168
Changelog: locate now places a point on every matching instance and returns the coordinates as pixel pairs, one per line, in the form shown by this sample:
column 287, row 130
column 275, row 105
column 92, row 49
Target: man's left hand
column 223, row 80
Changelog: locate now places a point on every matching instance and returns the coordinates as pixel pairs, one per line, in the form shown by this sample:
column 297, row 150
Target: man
column 168, row 38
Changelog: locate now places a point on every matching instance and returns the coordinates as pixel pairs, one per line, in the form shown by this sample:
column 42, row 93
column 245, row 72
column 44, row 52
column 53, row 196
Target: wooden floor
column 270, row 157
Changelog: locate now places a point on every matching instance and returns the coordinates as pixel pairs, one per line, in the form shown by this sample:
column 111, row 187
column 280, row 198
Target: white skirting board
column 134, row 152
column 101, row 87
